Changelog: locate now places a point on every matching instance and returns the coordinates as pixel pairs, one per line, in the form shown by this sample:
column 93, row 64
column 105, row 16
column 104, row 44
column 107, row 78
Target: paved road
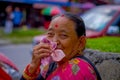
column 19, row 54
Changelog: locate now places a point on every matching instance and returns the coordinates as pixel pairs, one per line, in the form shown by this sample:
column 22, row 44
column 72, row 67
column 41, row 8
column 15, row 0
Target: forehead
column 62, row 23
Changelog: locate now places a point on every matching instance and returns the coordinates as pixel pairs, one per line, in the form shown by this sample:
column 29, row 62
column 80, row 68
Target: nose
column 55, row 39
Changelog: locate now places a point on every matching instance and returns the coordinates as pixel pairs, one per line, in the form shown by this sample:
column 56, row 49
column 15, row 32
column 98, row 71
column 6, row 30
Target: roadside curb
column 4, row 42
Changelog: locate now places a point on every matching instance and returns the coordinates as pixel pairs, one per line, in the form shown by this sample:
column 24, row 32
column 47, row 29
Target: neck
column 66, row 59
column 62, row 61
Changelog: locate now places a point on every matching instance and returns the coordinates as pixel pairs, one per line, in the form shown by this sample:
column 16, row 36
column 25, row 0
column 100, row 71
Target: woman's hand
column 39, row 51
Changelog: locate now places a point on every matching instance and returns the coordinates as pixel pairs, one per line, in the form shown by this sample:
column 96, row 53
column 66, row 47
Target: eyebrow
column 63, row 31
column 50, row 29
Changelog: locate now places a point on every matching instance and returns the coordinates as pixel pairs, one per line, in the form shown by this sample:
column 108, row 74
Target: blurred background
column 23, row 21
column 31, row 14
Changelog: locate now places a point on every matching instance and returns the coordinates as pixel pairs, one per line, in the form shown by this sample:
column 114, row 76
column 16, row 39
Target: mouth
column 58, row 48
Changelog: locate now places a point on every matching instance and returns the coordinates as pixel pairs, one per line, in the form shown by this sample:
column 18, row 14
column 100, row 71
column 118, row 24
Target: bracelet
column 28, row 75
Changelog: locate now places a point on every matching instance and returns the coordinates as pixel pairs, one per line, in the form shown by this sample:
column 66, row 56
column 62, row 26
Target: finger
column 42, row 45
column 37, row 57
column 40, row 51
column 41, row 56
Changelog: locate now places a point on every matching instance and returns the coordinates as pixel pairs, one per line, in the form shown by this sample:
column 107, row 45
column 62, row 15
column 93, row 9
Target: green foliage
column 105, row 44
column 21, row 35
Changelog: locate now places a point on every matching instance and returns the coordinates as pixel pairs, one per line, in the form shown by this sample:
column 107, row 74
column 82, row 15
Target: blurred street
column 19, row 54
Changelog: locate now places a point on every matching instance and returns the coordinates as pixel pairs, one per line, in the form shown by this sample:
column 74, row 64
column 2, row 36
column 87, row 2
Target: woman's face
column 62, row 31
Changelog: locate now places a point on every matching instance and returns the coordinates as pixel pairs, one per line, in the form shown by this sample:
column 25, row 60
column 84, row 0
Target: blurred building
column 98, row 2
column 32, row 8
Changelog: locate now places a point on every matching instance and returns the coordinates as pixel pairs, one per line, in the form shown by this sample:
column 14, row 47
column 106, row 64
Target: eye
column 50, row 34
column 63, row 36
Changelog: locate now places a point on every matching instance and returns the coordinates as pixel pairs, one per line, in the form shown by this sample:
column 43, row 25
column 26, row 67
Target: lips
column 58, row 48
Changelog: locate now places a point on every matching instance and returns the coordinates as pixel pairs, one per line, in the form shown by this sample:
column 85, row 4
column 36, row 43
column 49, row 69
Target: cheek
column 67, row 47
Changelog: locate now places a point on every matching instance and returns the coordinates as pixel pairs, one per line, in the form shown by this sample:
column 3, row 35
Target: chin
column 63, row 60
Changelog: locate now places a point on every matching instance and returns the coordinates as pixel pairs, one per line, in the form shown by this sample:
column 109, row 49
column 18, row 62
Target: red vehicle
column 8, row 70
column 102, row 20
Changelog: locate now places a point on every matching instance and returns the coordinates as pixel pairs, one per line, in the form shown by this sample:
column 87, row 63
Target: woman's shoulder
column 81, row 68
column 79, row 61
column 79, row 65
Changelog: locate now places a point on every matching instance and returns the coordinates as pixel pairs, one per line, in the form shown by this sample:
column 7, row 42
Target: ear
column 82, row 42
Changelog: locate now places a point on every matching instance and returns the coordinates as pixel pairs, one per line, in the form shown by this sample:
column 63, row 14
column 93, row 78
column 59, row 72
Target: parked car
column 102, row 20
column 8, row 70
